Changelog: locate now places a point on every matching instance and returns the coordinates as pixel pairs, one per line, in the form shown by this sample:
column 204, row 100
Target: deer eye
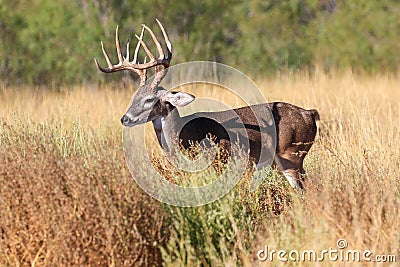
column 149, row 100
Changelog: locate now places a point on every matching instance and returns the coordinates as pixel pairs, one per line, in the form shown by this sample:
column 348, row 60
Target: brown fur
column 295, row 131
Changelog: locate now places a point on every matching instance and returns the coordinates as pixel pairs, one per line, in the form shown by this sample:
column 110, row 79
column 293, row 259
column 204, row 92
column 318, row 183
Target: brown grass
column 67, row 198
column 354, row 178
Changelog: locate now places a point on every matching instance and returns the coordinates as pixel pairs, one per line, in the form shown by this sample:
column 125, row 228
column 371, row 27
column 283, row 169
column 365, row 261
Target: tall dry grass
column 67, row 197
column 354, row 167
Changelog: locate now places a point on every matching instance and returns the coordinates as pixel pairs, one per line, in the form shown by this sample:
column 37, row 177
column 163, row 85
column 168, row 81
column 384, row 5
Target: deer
column 295, row 127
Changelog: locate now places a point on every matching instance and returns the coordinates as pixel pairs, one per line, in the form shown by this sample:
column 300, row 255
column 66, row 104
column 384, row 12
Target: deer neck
column 166, row 125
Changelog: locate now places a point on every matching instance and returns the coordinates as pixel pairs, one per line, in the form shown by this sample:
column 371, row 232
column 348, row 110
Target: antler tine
column 169, row 45
column 142, row 74
column 99, row 67
column 106, row 55
column 127, row 50
column 158, row 45
column 145, row 48
column 118, row 45
column 137, row 48
column 107, row 59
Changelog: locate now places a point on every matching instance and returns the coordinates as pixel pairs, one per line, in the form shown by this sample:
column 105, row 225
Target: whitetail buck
column 295, row 127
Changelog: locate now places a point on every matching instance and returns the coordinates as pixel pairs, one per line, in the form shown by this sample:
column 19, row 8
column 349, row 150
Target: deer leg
column 292, row 169
column 292, row 177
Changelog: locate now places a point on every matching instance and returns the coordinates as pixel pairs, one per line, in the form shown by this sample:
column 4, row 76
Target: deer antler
column 161, row 62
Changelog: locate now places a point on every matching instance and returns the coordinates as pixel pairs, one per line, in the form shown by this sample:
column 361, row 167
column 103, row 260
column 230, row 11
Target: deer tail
column 314, row 114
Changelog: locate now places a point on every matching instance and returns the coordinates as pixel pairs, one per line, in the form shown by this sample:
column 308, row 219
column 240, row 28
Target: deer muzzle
column 127, row 121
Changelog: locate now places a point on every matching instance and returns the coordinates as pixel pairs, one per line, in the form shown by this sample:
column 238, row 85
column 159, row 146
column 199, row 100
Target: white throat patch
column 159, row 125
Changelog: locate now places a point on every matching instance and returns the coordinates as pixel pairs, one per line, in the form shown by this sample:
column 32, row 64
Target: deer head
column 150, row 100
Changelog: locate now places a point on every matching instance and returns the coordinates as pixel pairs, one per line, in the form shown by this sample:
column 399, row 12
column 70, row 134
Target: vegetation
column 53, row 42
column 67, row 197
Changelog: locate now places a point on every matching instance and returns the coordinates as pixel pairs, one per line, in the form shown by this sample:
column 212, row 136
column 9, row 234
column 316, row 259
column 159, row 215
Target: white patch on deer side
column 292, row 181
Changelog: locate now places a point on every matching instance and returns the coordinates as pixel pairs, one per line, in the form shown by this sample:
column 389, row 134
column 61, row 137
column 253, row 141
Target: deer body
column 293, row 142
column 295, row 127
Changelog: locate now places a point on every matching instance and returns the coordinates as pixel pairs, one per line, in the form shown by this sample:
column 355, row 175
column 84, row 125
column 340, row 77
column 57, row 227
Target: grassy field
column 67, row 197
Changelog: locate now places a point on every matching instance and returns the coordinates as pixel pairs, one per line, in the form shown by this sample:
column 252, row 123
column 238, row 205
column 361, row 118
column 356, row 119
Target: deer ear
column 178, row 99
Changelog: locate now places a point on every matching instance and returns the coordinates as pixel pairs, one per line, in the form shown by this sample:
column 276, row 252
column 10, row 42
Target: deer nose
column 125, row 120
